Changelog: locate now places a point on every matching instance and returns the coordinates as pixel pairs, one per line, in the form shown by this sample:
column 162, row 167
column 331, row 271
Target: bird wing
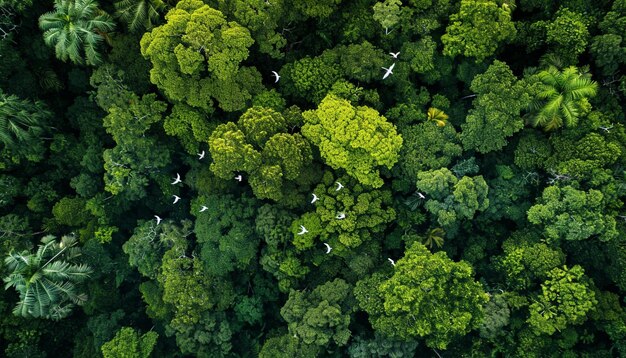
column 392, row 66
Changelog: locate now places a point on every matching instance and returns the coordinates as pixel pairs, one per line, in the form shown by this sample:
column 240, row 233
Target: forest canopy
column 312, row 178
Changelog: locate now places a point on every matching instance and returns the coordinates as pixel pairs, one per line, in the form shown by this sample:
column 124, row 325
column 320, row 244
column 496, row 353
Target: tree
column 128, row 343
column 367, row 213
column 427, row 296
column 22, row 122
column 76, row 28
column 566, row 298
column 316, row 8
column 562, row 97
column 496, row 113
column 427, row 146
column 387, row 13
column 572, row 214
column 139, row 14
column 287, row 346
column 497, row 315
column 259, row 146
column 196, row 56
column 46, row 280
column 225, row 233
column 190, row 125
column 356, row 139
column 310, row 78
column 477, row 29
column 136, row 156
column 262, row 19
column 451, row 199
column 568, row 33
column 381, row 346
column 322, row 315
column 526, row 260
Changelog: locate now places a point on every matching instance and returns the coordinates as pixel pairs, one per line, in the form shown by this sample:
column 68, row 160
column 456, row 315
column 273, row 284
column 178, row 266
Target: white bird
column 421, row 195
column 158, row 219
column 177, row 179
column 176, row 199
column 328, row 248
column 394, row 55
column 201, row 155
column 340, row 216
column 276, row 75
column 238, row 178
column 339, row 186
column 303, row 230
column 203, row 208
column 315, row 198
column 393, row 263
column 606, row 129
column 389, row 71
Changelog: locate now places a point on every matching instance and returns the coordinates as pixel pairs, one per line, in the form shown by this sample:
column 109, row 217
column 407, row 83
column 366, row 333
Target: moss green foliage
column 259, row 146
column 496, row 113
column 356, row 139
column 367, row 212
column 478, row 28
column 428, row 296
column 450, row 199
column 129, row 343
column 565, row 299
column 196, row 58
column 470, row 204
column 571, row 214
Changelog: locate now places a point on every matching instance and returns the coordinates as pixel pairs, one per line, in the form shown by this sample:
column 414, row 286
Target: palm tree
column 433, row 236
column 75, row 28
column 438, row 116
column 139, row 14
column 21, row 121
column 46, row 279
column 562, row 96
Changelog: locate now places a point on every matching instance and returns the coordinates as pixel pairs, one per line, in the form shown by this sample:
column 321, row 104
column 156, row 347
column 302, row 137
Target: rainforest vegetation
column 312, row 178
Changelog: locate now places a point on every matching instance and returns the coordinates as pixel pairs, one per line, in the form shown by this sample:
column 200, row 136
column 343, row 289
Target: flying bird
column 238, row 178
column 201, row 155
column 303, row 230
column 328, row 248
column 158, row 219
column 177, row 179
column 606, row 129
column 176, row 199
column 389, row 71
column 393, row 263
column 394, row 55
column 421, row 195
column 339, row 186
column 340, row 216
column 276, row 75
column 315, row 198
column 203, row 208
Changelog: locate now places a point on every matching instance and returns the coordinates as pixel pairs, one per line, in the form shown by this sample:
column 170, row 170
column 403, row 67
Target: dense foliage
column 312, row 178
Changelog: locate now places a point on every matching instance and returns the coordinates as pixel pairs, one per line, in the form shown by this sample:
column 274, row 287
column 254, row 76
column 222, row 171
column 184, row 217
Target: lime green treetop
column 356, row 139
column 196, row 56
column 428, row 296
